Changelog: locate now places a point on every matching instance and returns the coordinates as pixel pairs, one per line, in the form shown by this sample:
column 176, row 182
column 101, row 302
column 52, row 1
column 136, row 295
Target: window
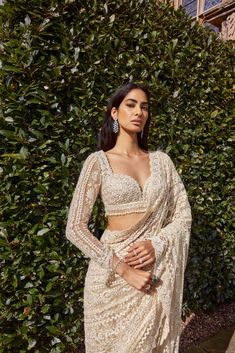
column 200, row 6
column 210, row 3
column 190, row 7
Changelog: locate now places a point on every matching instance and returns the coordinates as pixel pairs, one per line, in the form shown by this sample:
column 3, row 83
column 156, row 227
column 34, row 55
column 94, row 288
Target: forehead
column 137, row 94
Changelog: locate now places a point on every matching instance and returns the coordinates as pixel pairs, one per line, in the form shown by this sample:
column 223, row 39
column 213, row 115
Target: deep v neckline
column 142, row 189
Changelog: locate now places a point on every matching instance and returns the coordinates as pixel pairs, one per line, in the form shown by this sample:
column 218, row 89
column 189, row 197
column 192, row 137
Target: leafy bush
column 60, row 61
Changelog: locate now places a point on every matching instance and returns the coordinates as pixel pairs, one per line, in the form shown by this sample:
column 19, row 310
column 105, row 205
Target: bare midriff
column 123, row 222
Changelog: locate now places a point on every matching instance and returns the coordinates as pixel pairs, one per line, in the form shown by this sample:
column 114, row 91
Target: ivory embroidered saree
column 120, row 318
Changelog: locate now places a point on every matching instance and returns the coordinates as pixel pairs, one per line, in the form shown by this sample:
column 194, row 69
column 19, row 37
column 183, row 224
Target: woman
column 134, row 283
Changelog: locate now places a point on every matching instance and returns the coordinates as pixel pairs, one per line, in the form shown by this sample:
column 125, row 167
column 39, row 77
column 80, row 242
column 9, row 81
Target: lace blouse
column 120, row 193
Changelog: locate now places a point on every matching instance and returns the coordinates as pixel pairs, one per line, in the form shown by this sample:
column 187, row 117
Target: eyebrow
column 135, row 101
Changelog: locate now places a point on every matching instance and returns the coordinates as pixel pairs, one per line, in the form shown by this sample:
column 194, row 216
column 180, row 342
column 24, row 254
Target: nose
column 138, row 110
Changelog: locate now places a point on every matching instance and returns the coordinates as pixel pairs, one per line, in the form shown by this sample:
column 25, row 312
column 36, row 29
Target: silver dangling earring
column 142, row 134
column 115, row 126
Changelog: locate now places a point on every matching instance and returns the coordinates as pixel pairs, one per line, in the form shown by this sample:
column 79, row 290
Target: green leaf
column 54, row 330
column 43, row 231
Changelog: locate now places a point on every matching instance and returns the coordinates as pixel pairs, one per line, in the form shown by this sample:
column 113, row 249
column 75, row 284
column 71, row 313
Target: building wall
column 217, row 14
column 228, row 28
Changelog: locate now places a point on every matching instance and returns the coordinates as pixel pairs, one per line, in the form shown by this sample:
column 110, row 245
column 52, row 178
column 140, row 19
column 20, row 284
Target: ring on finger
column 135, row 253
column 147, row 287
column 154, row 280
column 140, row 261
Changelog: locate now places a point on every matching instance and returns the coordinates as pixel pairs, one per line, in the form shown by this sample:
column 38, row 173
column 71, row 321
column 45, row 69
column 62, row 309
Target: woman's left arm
column 178, row 227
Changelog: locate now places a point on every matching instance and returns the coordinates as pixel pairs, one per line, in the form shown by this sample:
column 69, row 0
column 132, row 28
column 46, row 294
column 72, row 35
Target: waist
column 119, row 239
column 123, row 222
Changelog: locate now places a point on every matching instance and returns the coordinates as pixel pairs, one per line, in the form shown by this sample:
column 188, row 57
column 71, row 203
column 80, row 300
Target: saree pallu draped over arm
column 172, row 258
column 119, row 318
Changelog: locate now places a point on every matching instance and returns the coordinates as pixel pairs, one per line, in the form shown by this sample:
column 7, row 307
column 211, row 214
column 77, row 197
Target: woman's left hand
column 140, row 254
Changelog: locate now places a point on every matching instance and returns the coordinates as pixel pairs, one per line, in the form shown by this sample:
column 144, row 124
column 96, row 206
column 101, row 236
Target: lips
column 136, row 121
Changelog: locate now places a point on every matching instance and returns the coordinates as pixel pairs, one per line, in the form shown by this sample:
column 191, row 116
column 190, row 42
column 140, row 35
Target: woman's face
column 132, row 113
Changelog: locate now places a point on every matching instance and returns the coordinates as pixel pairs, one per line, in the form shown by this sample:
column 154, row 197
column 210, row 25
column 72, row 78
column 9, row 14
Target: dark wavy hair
column 106, row 137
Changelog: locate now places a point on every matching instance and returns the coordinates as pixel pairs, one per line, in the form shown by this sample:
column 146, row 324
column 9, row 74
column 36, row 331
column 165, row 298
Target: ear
column 114, row 113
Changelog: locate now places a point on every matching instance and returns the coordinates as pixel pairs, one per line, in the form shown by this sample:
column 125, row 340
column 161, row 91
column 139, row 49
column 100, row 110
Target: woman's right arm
column 80, row 209
column 77, row 231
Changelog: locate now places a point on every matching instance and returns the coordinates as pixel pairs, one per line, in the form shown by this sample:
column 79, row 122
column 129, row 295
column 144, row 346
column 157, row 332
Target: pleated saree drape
column 121, row 319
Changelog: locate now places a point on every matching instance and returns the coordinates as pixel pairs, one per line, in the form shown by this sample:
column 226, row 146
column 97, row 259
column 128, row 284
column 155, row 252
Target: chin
column 133, row 129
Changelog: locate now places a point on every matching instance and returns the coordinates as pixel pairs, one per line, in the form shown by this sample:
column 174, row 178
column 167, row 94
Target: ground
column 210, row 333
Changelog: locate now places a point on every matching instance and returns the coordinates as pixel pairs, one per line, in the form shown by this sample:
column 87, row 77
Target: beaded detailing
column 126, row 208
column 124, row 195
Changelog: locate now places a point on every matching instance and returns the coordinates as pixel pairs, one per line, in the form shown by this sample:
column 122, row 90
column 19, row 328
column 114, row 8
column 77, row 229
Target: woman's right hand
column 137, row 278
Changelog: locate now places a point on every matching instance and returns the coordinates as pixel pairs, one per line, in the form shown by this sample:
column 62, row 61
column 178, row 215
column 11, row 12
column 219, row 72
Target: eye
column 145, row 108
column 130, row 105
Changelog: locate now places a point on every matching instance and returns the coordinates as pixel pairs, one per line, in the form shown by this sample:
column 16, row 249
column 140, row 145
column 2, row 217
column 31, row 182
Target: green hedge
column 60, row 61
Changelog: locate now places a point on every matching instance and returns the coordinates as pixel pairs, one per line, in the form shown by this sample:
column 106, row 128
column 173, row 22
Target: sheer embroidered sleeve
column 177, row 226
column 84, row 196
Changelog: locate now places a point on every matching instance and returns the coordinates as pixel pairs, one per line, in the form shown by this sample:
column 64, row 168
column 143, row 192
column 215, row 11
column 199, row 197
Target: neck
column 127, row 143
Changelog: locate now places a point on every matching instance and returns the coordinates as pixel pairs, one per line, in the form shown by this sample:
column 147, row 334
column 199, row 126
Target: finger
column 130, row 256
column 146, row 288
column 138, row 261
column 149, row 262
column 135, row 246
column 140, row 255
column 136, row 253
column 132, row 247
column 135, row 259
